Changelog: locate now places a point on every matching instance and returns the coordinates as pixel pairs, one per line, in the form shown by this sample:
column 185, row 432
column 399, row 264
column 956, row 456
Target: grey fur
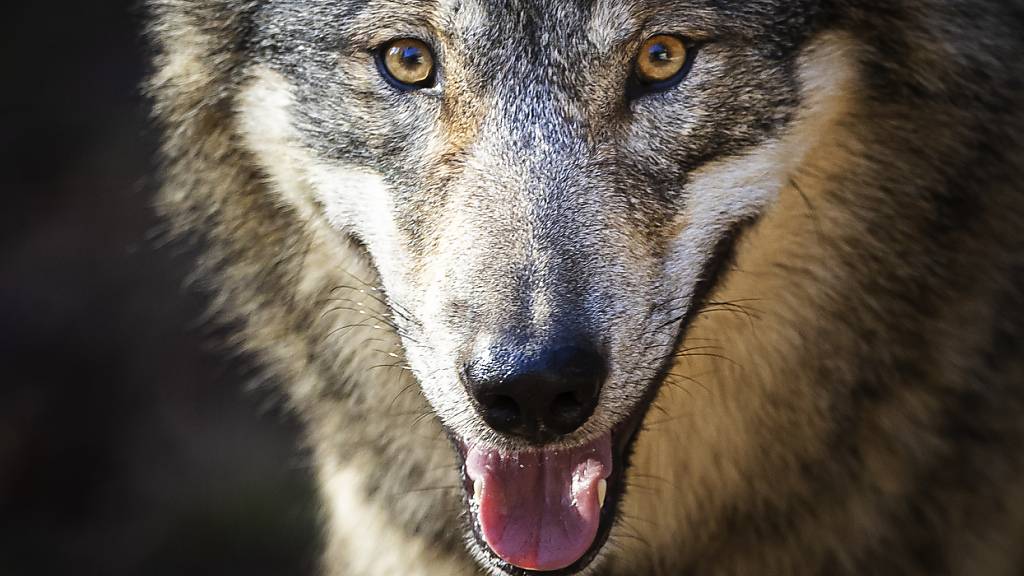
column 866, row 417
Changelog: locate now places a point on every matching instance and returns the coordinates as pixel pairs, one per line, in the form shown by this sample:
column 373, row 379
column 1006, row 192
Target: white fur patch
column 730, row 190
column 328, row 199
column 266, row 126
column 354, row 200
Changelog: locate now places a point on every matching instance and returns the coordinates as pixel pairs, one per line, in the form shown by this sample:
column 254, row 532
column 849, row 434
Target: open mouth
column 547, row 510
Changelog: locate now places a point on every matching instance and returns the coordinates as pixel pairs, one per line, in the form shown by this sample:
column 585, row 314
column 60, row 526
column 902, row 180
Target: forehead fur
column 606, row 22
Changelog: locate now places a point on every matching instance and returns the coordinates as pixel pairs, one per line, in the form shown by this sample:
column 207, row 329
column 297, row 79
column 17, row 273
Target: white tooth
column 602, row 491
column 478, row 488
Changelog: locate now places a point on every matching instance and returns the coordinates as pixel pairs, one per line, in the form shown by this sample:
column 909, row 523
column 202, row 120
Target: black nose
column 537, row 396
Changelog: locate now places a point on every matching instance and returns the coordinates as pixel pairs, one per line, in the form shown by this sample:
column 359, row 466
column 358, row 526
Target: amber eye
column 407, row 63
column 662, row 59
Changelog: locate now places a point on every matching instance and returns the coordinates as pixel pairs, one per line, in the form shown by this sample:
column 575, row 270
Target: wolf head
column 543, row 213
column 548, row 192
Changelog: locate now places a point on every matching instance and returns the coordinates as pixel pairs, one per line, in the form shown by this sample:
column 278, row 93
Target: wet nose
column 538, row 396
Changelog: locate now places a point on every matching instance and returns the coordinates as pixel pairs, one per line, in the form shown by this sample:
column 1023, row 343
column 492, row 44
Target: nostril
column 566, row 402
column 501, row 412
column 566, row 413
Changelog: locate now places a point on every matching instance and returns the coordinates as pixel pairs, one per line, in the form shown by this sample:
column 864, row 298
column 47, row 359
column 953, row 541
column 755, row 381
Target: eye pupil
column 659, row 53
column 411, row 57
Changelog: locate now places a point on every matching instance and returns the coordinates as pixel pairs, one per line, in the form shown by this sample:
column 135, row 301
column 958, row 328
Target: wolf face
column 544, row 215
column 567, row 206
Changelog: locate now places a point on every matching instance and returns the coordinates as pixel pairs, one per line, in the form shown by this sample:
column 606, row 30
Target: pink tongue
column 540, row 510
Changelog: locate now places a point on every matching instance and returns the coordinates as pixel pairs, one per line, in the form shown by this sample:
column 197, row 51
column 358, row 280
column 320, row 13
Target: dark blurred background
column 129, row 443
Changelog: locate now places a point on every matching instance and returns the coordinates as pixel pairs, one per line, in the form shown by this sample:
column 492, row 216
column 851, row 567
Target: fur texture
column 845, row 397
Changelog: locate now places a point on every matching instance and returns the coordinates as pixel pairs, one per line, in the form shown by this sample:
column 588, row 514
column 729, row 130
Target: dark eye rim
column 636, row 87
column 379, row 55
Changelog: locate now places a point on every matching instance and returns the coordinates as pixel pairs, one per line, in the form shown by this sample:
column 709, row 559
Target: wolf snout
column 540, row 395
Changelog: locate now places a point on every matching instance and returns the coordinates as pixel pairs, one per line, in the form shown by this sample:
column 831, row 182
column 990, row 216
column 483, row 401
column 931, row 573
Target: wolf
column 618, row 287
